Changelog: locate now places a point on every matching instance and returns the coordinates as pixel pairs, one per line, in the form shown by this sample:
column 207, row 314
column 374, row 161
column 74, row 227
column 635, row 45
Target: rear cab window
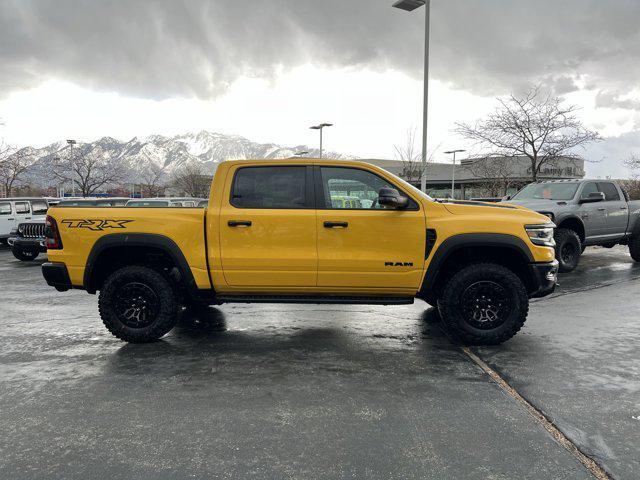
column 270, row 187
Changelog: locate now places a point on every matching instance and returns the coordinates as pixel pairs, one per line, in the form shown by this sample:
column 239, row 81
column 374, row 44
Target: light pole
column 71, row 143
column 320, row 127
column 409, row 6
column 453, row 171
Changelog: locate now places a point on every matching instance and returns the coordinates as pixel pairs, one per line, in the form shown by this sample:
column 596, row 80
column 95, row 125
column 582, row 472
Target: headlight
column 541, row 234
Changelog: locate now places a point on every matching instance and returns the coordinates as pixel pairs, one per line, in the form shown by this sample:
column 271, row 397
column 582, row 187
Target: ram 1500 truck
column 586, row 212
column 279, row 231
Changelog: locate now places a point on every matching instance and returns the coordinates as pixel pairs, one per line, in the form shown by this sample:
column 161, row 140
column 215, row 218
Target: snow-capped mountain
column 170, row 153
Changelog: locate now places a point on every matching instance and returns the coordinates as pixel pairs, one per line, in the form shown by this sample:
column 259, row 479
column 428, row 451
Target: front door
column 360, row 243
column 268, row 228
column 593, row 214
column 617, row 213
column 7, row 219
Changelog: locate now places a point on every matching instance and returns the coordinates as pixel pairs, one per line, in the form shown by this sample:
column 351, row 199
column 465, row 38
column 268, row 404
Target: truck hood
column 516, row 212
column 536, row 205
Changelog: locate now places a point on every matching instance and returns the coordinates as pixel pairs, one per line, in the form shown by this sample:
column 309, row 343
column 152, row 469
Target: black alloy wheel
column 136, row 305
column 485, row 305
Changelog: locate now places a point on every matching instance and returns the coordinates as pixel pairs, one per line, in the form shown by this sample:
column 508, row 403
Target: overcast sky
column 267, row 69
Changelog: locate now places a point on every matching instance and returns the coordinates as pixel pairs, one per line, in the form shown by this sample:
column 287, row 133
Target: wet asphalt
column 289, row 391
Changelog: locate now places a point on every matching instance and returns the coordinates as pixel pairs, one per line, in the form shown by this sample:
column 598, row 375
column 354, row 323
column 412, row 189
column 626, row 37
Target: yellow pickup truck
column 271, row 233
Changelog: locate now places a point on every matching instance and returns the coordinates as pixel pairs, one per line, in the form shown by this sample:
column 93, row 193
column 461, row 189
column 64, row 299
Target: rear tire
column 484, row 304
column 24, row 255
column 138, row 305
column 634, row 247
column 568, row 249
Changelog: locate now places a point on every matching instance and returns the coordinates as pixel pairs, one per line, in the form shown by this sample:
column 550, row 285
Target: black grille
column 431, row 241
column 31, row 230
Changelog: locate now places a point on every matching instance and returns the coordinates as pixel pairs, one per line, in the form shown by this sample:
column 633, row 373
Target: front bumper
column 57, row 276
column 544, row 277
column 36, row 244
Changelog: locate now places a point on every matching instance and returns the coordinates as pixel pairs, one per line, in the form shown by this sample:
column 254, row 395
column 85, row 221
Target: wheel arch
column 574, row 223
column 458, row 250
column 134, row 248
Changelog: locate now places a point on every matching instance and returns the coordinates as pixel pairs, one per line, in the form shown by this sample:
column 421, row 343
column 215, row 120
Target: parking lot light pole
column 453, row 171
column 71, row 143
column 320, row 127
column 409, row 6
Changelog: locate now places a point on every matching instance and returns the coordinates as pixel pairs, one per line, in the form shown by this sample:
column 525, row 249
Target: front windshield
column 547, row 191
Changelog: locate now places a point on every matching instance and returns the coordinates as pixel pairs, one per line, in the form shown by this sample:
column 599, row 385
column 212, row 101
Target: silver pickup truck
column 586, row 212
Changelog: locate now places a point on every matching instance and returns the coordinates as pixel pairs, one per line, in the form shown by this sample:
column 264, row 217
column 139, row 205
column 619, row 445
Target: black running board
column 313, row 299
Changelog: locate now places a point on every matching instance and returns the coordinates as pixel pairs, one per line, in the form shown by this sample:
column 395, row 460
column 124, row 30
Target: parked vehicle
column 16, row 210
column 273, row 234
column 163, row 202
column 27, row 241
column 94, row 202
column 586, row 212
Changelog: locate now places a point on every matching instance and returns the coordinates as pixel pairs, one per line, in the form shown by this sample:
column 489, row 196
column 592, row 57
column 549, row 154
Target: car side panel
column 81, row 227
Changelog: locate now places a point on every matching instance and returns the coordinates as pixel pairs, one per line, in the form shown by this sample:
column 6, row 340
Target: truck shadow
column 203, row 343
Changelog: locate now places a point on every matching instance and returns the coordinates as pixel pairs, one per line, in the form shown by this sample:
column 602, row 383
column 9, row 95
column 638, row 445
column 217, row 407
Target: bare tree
column 411, row 157
column 13, row 165
column 151, row 177
column 536, row 126
column 89, row 170
column 191, row 179
column 495, row 174
column 632, row 185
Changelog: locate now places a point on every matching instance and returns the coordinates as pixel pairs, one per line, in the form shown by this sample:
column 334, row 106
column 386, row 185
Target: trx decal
column 97, row 225
column 398, row 264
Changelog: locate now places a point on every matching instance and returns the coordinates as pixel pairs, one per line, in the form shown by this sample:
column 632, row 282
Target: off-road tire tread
column 449, row 307
column 563, row 235
column 167, row 315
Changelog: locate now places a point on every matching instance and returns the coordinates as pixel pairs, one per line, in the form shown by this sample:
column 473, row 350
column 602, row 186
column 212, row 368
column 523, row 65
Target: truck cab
column 282, row 231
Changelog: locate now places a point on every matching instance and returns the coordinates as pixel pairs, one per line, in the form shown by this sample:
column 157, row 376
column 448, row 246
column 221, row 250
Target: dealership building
column 474, row 175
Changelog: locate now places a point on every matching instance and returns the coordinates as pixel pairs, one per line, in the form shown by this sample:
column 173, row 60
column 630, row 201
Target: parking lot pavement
column 292, row 391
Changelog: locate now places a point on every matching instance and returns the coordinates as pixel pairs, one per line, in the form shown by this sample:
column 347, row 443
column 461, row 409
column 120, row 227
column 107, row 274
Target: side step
column 314, row 299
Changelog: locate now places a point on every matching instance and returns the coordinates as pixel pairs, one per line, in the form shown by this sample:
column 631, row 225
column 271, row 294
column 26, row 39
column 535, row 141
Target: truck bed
column 81, row 227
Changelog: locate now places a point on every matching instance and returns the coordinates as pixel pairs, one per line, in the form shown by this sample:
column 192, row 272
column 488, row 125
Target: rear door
column 594, row 214
column 360, row 247
column 617, row 212
column 268, row 227
column 23, row 211
column 7, row 218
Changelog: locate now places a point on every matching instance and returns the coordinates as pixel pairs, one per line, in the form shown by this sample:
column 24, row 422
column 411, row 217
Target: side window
column 5, row 208
column 588, row 188
column 22, row 207
column 353, row 188
column 39, row 207
column 269, row 187
column 610, row 191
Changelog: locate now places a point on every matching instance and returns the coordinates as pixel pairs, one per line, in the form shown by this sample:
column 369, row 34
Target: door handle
column 10, row 218
column 336, row 224
column 27, row 218
column 623, row 207
column 601, row 209
column 239, row 223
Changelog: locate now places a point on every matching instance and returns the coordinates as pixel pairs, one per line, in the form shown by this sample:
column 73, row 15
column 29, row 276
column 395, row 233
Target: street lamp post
column 320, row 127
column 71, row 143
column 453, row 171
column 409, row 6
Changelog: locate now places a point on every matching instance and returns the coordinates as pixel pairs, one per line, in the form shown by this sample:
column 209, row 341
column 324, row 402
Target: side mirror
column 506, row 198
column 390, row 197
column 593, row 197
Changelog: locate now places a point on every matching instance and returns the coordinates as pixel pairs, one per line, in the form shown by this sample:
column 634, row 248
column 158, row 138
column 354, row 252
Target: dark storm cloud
column 162, row 49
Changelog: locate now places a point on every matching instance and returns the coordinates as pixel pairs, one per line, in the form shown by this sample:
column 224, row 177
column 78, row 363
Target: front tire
column 568, row 249
column 24, row 255
column 634, row 247
column 484, row 304
column 138, row 305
